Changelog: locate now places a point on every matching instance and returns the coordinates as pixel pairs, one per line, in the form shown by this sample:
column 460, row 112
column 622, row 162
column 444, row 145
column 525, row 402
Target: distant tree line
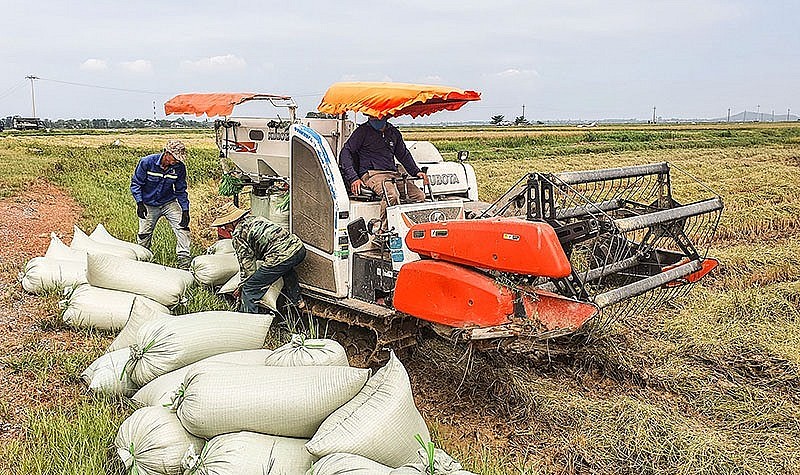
column 180, row 122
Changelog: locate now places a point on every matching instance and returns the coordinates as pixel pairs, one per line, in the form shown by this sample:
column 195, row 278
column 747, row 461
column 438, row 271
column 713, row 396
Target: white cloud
column 514, row 72
column 92, row 64
column 228, row 62
column 138, row 66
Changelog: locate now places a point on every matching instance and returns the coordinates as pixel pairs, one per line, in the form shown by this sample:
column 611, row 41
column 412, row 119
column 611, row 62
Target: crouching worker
column 258, row 239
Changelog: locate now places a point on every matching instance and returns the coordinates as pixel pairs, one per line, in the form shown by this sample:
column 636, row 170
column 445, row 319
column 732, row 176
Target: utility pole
column 523, row 111
column 758, row 112
column 729, row 115
column 654, row 114
column 33, row 97
column 154, row 112
column 787, row 114
column 773, row 115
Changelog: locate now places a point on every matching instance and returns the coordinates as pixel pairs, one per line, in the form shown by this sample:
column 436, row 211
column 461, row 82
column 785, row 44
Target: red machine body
column 504, row 244
column 453, row 295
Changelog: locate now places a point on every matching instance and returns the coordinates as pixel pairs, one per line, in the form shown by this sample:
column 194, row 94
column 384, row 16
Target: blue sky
column 561, row 59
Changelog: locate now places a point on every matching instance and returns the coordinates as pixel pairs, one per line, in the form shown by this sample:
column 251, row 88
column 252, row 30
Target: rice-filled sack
column 100, row 234
column 223, row 246
column 347, row 464
column 163, row 390
column 380, row 423
column 43, row 274
column 92, row 307
column 270, row 298
column 249, row 453
column 58, row 250
column 83, row 242
column 443, row 464
column 303, row 351
column 107, row 374
column 168, row 343
column 142, row 310
column 166, row 285
column 214, row 269
column 152, row 441
column 275, row 400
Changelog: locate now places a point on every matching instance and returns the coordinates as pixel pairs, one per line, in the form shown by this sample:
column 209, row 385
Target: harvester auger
column 556, row 254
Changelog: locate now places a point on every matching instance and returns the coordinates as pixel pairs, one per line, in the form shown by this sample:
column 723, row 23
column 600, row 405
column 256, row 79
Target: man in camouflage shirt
column 258, row 239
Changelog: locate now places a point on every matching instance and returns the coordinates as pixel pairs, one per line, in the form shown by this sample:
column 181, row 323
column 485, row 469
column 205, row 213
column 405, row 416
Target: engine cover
column 504, row 244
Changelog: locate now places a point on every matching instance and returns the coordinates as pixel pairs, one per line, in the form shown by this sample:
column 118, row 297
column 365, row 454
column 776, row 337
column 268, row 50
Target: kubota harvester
column 554, row 252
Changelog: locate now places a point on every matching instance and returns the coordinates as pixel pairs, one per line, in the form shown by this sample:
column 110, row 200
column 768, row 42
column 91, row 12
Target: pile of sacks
column 101, row 276
column 212, row 400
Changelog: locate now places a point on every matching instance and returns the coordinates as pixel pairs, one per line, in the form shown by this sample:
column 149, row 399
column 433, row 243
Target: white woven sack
column 58, row 250
column 107, row 374
column 142, row 310
column 93, row 307
column 100, row 234
column 168, row 343
column 214, row 269
column 162, row 390
column 443, row 464
column 152, row 441
column 308, row 352
column 166, row 285
column 249, row 453
column 270, row 298
column 289, row 402
column 380, row 423
column 83, row 242
column 347, row 464
column 223, row 246
column 43, row 274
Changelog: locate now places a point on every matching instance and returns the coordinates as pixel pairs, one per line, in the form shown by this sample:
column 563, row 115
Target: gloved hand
column 184, row 219
column 141, row 210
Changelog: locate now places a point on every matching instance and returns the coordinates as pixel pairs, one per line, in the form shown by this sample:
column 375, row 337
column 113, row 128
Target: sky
column 577, row 60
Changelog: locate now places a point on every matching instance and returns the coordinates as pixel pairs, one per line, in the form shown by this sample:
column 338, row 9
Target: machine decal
column 436, row 216
column 444, row 179
column 511, row 237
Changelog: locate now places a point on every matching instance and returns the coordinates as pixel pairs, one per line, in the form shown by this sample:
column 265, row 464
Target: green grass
column 708, row 384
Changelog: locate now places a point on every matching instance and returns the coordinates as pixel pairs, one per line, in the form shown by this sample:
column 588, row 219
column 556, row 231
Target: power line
column 12, row 89
column 139, row 91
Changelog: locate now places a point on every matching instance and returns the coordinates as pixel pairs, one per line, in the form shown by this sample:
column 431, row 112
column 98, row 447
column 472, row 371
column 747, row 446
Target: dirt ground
column 26, row 221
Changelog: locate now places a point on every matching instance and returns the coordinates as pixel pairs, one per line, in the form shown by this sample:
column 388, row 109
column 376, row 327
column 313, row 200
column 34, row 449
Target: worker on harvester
column 257, row 239
column 158, row 186
column 367, row 159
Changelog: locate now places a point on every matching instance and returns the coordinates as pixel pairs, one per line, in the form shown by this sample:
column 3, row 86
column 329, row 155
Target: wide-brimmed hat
column 177, row 149
column 229, row 216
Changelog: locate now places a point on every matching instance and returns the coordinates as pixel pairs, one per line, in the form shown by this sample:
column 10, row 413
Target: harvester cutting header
column 537, row 263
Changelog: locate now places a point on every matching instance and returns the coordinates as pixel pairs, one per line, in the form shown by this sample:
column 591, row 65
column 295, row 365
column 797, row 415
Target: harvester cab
column 538, row 263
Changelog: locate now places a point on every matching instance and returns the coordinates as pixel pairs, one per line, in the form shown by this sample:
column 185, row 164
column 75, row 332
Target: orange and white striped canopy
column 381, row 99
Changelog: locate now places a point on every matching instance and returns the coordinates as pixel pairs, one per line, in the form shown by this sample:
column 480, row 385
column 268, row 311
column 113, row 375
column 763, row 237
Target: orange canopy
column 212, row 104
column 380, row 99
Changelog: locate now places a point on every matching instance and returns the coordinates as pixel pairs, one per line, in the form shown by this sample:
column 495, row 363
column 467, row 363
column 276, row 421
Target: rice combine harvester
column 551, row 255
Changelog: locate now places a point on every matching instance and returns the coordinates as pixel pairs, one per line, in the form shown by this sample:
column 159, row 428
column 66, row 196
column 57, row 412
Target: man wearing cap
column 257, row 239
column 367, row 159
column 159, row 188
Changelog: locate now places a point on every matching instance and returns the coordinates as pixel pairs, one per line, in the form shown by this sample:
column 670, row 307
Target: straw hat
column 229, row 216
column 177, row 149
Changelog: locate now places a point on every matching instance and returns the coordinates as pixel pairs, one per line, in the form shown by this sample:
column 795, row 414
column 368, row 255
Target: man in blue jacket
column 367, row 159
column 159, row 188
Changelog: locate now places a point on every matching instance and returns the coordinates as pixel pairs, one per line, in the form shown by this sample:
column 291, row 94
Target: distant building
column 26, row 123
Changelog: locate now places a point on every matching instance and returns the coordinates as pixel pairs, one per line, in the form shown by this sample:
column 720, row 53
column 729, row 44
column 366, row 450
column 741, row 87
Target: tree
column 496, row 119
column 521, row 120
